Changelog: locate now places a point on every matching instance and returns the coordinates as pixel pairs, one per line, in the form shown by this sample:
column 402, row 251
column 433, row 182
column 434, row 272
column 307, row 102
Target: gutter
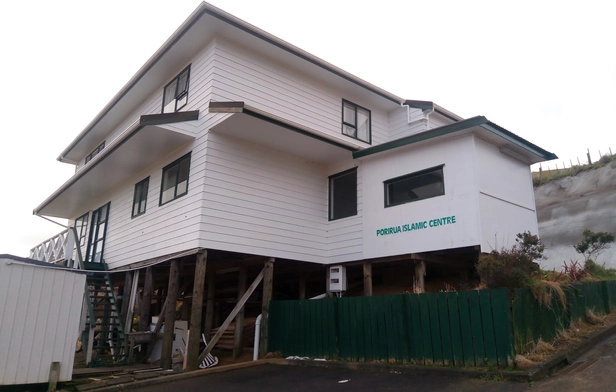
column 207, row 9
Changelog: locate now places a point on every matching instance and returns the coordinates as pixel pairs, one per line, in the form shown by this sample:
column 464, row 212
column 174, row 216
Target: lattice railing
column 60, row 247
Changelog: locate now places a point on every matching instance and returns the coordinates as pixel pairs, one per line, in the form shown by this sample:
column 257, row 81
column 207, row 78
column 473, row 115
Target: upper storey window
column 95, row 152
column 175, row 94
column 356, row 122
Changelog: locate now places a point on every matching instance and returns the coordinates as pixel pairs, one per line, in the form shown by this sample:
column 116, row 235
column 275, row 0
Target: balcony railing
column 58, row 249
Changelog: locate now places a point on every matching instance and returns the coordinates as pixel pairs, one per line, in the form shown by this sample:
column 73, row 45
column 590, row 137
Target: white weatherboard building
column 231, row 140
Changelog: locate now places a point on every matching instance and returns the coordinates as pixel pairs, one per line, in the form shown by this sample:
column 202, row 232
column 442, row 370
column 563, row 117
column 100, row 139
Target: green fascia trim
column 456, row 127
column 518, row 141
column 168, row 118
column 436, row 132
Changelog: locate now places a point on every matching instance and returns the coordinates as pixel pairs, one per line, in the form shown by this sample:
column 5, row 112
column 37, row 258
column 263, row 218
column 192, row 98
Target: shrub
column 593, row 244
column 513, row 267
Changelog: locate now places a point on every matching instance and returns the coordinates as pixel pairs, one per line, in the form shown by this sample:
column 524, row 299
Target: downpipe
column 255, row 352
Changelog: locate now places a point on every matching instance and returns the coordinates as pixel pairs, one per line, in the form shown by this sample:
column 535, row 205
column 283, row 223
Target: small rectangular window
column 140, row 198
column 175, row 94
column 81, row 227
column 356, row 122
column 416, row 186
column 343, row 194
column 94, row 153
column 175, row 179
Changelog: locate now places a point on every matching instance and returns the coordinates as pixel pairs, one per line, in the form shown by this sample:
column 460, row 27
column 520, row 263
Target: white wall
column 261, row 201
column 507, row 201
column 40, row 310
column 460, row 199
column 242, row 75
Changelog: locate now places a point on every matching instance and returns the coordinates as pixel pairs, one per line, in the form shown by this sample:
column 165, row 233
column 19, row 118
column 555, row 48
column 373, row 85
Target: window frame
column 177, row 95
column 177, row 163
column 369, row 141
column 418, row 173
column 95, row 152
column 142, row 197
column 330, row 192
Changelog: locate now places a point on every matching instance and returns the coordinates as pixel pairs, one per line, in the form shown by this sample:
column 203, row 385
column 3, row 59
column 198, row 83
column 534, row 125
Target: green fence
column 468, row 328
column 532, row 321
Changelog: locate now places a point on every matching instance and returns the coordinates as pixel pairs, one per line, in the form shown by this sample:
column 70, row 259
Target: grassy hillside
column 545, row 176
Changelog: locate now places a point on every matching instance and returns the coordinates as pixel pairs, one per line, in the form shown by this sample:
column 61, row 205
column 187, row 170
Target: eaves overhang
column 137, row 147
column 270, row 131
column 184, row 43
column 509, row 142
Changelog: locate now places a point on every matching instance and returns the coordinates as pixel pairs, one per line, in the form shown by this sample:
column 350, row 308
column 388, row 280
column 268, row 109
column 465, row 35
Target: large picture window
column 343, row 194
column 175, row 180
column 175, row 94
column 141, row 197
column 356, row 122
column 416, row 186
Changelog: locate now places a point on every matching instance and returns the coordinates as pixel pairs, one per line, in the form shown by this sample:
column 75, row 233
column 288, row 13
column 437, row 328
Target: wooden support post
column 327, row 278
column 209, row 307
column 231, row 316
column 128, row 326
column 268, row 286
column 420, row 272
column 172, row 296
column 146, row 302
column 302, row 286
column 196, row 312
column 128, row 282
column 367, row 279
column 239, row 319
column 54, row 376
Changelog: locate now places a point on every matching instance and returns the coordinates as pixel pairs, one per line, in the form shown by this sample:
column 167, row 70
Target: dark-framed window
column 81, row 227
column 141, row 197
column 343, row 194
column 356, row 121
column 419, row 185
column 175, row 93
column 94, row 153
column 175, row 180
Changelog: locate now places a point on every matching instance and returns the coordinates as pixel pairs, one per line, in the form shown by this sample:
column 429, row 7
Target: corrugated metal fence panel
column 446, row 329
column 39, row 321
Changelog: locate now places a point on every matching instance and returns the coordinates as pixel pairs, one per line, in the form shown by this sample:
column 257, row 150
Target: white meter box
column 337, row 279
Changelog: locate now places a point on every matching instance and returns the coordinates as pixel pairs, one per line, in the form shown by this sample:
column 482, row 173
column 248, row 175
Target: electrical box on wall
column 337, row 279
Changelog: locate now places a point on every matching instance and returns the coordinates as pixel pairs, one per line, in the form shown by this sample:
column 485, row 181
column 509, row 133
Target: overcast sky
column 545, row 70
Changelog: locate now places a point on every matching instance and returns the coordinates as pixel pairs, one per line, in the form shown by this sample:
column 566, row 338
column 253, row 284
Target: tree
column 593, row 244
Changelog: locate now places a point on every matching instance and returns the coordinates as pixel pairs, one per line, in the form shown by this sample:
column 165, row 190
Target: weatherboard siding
column 242, row 75
column 198, row 95
column 261, row 201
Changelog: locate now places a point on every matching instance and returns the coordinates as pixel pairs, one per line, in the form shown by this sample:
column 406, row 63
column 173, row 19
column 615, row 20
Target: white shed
column 40, row 308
